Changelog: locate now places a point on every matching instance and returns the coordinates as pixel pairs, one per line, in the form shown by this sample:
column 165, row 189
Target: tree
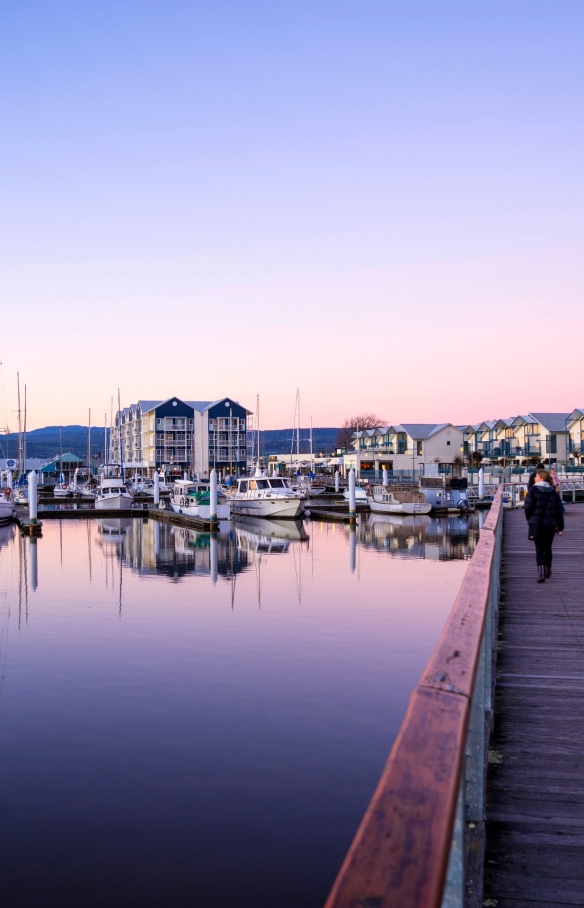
column 357, row 423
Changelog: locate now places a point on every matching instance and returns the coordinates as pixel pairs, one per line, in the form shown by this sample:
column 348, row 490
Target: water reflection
column 447, row 538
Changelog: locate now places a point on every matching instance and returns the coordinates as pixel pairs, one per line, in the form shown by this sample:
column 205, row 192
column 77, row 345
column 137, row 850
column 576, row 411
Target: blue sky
column 344, row 197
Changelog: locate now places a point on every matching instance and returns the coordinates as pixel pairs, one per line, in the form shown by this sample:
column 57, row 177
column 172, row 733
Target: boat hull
column 289, row 508
column 411, row 508
column 114, row 503
column 202, row 511
column 6, row 511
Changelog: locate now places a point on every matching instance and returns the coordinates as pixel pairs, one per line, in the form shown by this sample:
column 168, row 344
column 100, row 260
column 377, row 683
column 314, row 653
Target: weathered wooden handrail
column 400, row 855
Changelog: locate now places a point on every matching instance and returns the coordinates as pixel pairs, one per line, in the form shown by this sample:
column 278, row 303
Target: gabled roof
column 419, row 431
column 553, row 422
column 578, row 413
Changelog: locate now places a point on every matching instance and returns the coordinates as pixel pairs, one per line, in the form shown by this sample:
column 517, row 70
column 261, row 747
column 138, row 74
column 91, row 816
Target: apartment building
column 175, row 435
column 405, row 447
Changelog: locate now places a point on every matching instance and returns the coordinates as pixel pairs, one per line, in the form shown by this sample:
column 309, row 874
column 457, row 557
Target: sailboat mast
column 89, row 444
column 19, row 428
column 258, row 428
column 120, row 435
column 311, row 458
column 24, row 436
column 60, row 451
column 298, row 426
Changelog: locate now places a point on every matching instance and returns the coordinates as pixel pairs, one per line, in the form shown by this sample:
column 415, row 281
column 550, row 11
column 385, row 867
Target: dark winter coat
column 543, row 509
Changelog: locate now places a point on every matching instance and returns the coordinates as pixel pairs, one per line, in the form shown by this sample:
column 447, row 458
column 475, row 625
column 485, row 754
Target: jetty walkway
column 481, row 801
column 535, row 792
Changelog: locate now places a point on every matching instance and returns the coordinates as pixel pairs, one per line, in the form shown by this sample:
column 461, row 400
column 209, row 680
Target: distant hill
column 44, row 443
column 279, row 441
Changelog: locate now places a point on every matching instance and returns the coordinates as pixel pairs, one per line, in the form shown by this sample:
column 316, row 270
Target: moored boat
column 262, row 496
column 384, row 500
column 111, row 492
column 193, row 499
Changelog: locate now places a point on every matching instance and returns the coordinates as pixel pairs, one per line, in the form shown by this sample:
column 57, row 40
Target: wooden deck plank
column 535, row 795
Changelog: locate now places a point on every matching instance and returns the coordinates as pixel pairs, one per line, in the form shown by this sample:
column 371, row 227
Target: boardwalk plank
column 535, row 795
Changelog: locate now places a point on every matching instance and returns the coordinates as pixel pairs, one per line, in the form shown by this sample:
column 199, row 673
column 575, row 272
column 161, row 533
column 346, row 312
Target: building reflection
column 149, row 547
column 447, row 538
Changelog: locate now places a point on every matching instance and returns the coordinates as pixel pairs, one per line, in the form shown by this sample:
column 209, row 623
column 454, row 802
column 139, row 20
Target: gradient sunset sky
column 380, row 203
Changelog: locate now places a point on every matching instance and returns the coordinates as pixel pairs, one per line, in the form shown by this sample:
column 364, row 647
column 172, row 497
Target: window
column 252, row 484
column 243, row 486
column 263, row 484
column 447, row 442
column 551, row 443
column 277, row 483
column 419, row 448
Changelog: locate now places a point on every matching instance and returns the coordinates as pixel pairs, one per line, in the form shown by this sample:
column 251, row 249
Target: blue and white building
column 175, row 435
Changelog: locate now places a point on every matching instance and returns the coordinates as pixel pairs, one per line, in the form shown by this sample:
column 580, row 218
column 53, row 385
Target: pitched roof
column 553, row 422
column 419, row 431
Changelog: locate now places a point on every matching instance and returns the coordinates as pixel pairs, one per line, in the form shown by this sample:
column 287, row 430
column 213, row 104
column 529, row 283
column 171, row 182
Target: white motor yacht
column 111, row 492
column 6, row 506
column 398, row 501
column 193, row 499
column 263, row 496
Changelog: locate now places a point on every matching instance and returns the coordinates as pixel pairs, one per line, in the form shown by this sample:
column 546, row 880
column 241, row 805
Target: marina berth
column 193, row 499
column 384, row 500
column 264, row 496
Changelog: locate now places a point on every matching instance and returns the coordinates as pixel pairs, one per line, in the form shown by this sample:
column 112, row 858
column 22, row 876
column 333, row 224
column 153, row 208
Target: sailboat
column 112, row 493
column 62, row 488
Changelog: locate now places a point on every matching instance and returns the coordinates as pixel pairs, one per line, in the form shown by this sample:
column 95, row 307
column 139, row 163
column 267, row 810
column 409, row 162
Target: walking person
column 533, row 474
column 545, row 515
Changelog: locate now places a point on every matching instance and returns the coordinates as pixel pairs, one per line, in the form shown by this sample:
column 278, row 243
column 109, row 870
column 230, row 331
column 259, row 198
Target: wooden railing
column 409, row 850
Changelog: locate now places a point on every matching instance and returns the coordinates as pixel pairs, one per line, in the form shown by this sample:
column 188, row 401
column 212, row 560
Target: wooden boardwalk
column 535, row 797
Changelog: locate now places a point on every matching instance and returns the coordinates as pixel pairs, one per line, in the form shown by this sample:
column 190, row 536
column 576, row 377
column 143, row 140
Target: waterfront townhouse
column 543, row 436
column 405, row 447
column 575, row 423
column 175, row 435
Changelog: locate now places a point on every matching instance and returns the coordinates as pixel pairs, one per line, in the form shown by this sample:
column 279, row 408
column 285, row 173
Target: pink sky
column 380, row 206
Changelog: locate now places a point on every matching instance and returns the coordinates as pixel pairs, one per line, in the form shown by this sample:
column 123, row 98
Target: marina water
column 194, row 722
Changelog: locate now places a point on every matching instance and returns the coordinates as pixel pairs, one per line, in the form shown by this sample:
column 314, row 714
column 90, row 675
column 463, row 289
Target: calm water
column 188, row 722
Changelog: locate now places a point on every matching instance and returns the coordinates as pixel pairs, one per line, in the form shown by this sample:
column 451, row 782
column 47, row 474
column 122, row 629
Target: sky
column 378, row 203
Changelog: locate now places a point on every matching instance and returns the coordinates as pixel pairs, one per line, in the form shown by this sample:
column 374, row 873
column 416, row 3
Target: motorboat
column 263, row 496
column 6, row 506
column 360, row 494
column 384, row 500
column 62, row 489
column 112, row 493
column 193, row 499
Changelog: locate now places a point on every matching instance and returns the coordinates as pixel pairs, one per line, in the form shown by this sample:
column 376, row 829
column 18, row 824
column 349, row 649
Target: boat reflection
column 447, row 538
column 268, row 537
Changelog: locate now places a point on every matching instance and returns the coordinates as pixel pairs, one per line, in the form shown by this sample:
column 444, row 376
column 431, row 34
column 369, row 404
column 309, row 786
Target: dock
column 535, row 793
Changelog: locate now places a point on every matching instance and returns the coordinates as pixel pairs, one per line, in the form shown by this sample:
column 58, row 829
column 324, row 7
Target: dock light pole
column 337, row 482
column 32, row 496
column 156, row 488
column 482, row 483
column 213, row 496
column 352, row 501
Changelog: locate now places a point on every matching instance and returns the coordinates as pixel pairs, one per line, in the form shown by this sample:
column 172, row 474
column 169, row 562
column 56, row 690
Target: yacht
column 6, row 505
column 62, row 489
column 111, row 492
column 193, row 499
column 382, row 500
column 360, row 494
column 263, row 496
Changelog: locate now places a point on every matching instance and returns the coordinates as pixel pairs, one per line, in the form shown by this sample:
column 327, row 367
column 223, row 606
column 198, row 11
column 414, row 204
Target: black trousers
column 543, row 547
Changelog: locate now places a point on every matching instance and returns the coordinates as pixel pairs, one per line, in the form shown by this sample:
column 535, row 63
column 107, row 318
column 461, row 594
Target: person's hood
column 543, row 485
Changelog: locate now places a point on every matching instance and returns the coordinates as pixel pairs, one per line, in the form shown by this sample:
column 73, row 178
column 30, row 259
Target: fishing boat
column 111, row 492
column 193, row 499
column 382, row 500
column 263, row 496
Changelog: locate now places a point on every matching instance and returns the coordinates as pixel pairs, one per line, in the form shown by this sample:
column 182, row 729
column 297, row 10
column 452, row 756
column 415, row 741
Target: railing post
column 454, row 889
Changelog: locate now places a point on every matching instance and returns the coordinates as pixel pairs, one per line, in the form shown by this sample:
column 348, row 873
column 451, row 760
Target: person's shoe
column 541, row 574
column 547, row 572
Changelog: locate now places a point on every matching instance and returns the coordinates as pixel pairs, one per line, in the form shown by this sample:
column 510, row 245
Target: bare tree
column 354, row 423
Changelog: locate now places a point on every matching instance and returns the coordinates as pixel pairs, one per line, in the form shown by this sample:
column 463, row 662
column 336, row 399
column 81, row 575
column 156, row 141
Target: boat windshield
column 263, row 483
